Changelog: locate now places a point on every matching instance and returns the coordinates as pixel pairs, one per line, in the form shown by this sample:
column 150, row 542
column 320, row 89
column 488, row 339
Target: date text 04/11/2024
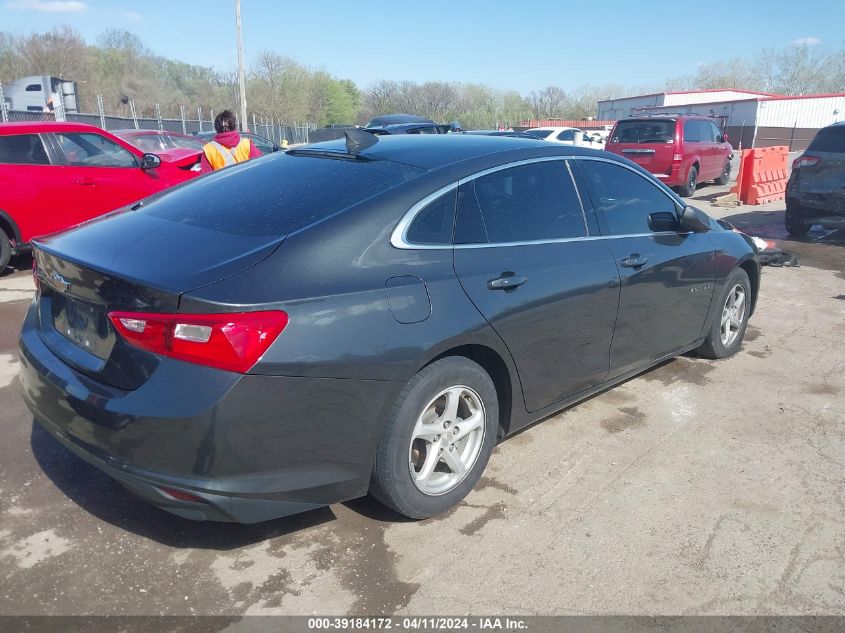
column 429, row 623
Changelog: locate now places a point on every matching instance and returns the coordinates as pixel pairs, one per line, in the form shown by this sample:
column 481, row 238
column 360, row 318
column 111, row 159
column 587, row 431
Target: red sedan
column 56, row 175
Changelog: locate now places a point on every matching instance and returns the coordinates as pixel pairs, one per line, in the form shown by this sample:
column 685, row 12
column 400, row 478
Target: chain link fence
column 279, row 133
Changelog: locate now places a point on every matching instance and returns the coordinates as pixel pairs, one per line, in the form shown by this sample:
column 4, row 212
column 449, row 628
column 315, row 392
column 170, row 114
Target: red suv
column 680, row 150
column 56, row 175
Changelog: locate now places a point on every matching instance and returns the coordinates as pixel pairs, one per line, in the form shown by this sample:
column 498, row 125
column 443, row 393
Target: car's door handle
column 86, row 182
column 506, row 282
column 634, row 261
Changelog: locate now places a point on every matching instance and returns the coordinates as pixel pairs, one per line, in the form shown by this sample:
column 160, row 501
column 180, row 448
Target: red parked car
column 680, row 150
column 56, row 175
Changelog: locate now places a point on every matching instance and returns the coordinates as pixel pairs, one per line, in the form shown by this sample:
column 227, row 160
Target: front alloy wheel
column 733, row 315
column 727, row 328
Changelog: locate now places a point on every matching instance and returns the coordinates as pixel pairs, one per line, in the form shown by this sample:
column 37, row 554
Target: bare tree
column 548, row 103
column 60, row 52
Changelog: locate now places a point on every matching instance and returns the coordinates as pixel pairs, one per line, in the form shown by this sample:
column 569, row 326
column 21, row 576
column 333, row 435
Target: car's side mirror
column 694, row 220
column 663, row 221
column 150, row 161
column 276, row 148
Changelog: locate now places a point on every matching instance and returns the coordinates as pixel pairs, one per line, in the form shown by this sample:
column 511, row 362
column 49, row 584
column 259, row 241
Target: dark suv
column 680, row 150
column 815, row 193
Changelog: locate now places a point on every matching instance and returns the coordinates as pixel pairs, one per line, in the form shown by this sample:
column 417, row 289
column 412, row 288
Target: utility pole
column 241, row 80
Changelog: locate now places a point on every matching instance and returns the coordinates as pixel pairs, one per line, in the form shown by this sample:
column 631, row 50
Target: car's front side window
column 22, row 149
column 715, row 132
column 93, row 150
column 532, row 202
column 623, row 199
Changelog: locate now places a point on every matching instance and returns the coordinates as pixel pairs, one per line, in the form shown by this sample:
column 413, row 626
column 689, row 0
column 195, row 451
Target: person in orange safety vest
column 227, row 147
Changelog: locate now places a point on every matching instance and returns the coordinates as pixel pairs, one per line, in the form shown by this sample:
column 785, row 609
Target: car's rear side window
column 278, row 194
column 829, row 139
column 22, row 149
column 433, row 225
column 526, row 203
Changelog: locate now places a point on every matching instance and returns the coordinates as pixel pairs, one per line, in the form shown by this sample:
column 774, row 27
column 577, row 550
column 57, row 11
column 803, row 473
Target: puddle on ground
column 629, row 418
column 489, row 482
column 687, row 370
column 822, row 389
column 496, row 511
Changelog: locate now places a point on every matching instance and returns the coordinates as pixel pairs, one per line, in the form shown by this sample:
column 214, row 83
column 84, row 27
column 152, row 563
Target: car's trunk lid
column 136, row 263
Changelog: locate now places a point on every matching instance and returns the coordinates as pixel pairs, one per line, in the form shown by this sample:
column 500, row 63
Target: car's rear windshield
column 645, row 131
column 277, row 195
column 829, row 139
column 539, row 133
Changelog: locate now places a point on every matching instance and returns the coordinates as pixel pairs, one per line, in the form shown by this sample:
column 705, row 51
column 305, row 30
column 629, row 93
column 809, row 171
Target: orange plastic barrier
column 762, row 175
column 746, row 159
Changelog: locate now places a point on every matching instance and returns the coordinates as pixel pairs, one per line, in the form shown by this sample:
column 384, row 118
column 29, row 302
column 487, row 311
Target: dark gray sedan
column 365, row 316
column 815, row 192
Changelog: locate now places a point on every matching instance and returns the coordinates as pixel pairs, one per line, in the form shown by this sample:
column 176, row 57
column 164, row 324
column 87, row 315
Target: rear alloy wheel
column 438, row 439
column 795, row 224
column 688, row 189
column 728, row 328
column 5, row 251
column 726, row 174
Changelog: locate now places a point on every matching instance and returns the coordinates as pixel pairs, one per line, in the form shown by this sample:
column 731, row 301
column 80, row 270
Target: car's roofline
column 47, row 126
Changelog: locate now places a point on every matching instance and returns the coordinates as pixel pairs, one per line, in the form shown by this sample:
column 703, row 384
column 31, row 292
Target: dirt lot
column 699, row 487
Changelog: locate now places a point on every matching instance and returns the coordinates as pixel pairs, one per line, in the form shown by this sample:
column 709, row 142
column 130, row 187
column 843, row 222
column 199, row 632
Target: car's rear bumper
column 250, row 448
column 826, row 209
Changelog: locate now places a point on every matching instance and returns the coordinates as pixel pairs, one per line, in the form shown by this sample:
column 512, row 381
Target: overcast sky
column 523, row 45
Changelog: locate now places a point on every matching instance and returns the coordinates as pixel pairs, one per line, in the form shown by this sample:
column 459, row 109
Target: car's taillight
column 230, row 341
column 805, row 161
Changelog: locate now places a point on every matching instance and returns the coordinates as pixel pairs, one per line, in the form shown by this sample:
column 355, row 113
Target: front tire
column 437, row 440
column 728, row 328
column 688, row 190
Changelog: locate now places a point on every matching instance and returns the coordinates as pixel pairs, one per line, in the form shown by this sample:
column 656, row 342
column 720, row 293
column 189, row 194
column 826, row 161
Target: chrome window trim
column 580, row 201
column 398, row 236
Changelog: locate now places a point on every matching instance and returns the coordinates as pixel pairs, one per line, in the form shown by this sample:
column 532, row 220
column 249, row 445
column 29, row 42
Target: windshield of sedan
column 163, row 142
column 278, row 195
column 644, row 131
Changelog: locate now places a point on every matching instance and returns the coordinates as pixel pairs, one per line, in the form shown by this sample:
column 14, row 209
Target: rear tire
column 421, row 469
column 726, row 174
column 5, row 251
column 688, row 190
column 794, row 221
column 728, row 328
